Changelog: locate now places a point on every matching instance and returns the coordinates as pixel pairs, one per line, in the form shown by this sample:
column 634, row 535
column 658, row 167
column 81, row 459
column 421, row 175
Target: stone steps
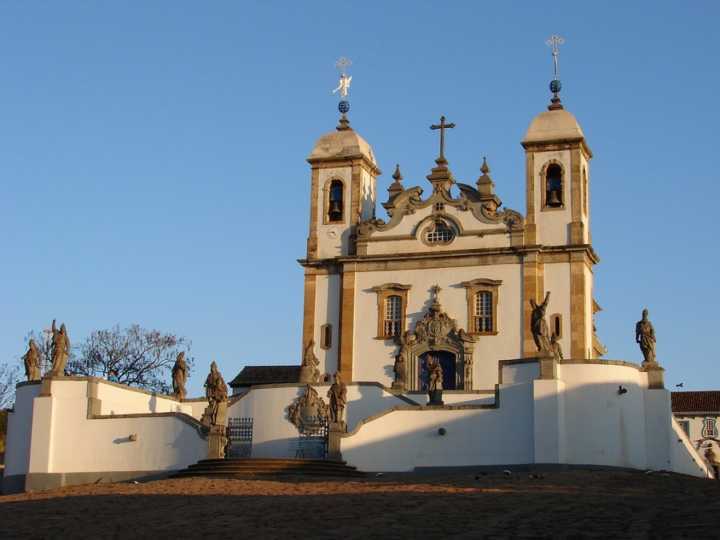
column 254, row 467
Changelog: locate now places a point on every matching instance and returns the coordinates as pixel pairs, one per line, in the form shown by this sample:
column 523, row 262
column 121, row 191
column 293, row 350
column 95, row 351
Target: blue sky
column 152, row 155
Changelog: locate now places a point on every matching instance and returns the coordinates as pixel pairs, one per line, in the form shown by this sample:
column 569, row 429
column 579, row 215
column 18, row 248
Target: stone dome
column 555, row 125
column 342, row 144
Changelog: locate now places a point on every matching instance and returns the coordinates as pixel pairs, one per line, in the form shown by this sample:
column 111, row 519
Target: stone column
column 335, row 431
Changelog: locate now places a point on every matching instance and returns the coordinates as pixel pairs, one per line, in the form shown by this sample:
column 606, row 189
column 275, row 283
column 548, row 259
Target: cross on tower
column 442, row 126
column 554, row 43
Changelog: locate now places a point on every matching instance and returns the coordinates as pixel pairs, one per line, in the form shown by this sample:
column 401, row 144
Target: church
column 461, row 332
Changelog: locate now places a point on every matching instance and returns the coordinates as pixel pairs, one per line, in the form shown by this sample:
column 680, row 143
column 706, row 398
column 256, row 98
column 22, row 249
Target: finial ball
column 344, row 106
column 555, row 86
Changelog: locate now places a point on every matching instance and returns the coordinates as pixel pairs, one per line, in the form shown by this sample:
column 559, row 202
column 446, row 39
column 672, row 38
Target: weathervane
column 343, row 88
column 554, row 43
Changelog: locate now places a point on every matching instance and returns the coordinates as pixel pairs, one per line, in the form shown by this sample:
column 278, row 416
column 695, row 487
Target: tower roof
column 553, row 125
column 342, row 144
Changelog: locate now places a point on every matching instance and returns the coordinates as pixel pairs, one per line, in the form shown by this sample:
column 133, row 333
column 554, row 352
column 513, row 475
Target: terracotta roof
column 707, row 401
column 252, row 375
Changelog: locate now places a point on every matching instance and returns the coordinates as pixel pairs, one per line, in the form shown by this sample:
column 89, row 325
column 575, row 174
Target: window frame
column 326, row 331
column 383, row 292
column 553, row 324
column 327, row 190
column 472, row 289
column 432, row 226
column 543, row 183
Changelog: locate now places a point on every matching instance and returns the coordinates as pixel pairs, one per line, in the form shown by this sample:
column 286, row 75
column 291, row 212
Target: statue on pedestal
column 60, row 350
column 645, row 337
column 309, row 372
column 32, row 361
column 539, row 327
column 179, row 376
column 435, row 381
column 217, row 395
column 338, row 400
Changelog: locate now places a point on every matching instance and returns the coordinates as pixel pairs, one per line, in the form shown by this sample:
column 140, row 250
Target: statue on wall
column 179, row 376
column 538, row 325
column 435, row 381
column 399, row 369
column 309, row 372
column 32, row 361
column 217, row 394
column 308, row 412
column 645, row 337
column 338, row 400
column 60, row 349
column 555, row 347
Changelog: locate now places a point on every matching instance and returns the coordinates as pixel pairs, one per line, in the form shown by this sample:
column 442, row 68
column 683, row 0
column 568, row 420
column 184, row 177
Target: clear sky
column 152, row 155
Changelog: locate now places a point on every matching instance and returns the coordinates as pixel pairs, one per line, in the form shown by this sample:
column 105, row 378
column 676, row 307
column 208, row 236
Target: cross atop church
column 442, row 126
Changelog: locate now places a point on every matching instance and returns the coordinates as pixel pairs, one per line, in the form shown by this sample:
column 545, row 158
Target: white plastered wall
column 557, row 281
column 552, row 225
column 17, row 445
column 373, row 359
column 327, row 305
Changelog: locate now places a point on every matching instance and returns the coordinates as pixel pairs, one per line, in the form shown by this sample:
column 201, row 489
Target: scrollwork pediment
column 308, row 412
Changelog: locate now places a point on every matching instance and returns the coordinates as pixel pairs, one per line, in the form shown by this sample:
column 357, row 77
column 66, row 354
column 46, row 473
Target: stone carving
column 338, row 399
column 539, row 327
column 60, row 350
column 399, row 369
column 435, row 381
column 179, row 376
column 32, row 362
column 645, row 337
column 308, row 412
column 434, row 332
column 309, row 372
column 555, row 348
column 216, row 393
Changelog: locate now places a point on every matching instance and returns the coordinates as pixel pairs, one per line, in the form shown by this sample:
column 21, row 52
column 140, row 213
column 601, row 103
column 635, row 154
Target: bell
column 335, row 210
column 554, row 198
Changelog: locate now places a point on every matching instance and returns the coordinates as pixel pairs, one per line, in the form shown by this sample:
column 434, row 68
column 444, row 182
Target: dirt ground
column 563, row 504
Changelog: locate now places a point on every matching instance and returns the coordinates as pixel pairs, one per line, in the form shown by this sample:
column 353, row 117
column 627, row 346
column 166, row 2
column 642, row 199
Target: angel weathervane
column 344, row 89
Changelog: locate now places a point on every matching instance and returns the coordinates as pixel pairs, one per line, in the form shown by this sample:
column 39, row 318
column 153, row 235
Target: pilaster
column 347, row 323
column 533, row 288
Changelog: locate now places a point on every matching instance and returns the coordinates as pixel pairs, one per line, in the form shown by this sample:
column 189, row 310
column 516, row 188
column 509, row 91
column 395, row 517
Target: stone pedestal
column 656, row 375
column 335, row 431
column 216, row 442
column 548, row 367
column 436, row 397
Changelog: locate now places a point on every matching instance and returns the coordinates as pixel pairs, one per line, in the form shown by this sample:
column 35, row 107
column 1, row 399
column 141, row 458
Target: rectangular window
column 392, row 323
column 483, row 315
column 326, row 336
column 709, row 429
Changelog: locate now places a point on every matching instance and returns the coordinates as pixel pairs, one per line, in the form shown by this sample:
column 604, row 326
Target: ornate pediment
column 308, row 412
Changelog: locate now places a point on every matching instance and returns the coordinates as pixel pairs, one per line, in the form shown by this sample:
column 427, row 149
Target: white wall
column 404, row 439
column 333, row 239
column 123, row 400
column 19, row 428
column 327, row 304
column 557, row 281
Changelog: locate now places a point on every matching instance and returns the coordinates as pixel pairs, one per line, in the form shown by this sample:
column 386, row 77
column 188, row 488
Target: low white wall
column 275, row 436
column 407, row 438
column 455, row 398
column 124, row 400
column 19, row 429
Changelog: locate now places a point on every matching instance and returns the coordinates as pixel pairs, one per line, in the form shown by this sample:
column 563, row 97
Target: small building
column 698, row 413
column 259, row 375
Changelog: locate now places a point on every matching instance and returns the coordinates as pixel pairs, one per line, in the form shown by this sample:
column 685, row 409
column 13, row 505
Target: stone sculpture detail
column 309, row 372
column 539, row 327
column 435, row 381
column 645, row 337
column 399, row 369
column 555, row 348
column 338, row 400
column 217, row 394
column 60, row 350
column 179, row 376
column 308, row 412
column 32, row 361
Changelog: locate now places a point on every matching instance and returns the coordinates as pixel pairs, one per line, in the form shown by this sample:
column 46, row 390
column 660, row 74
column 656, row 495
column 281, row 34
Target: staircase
column 269, row 467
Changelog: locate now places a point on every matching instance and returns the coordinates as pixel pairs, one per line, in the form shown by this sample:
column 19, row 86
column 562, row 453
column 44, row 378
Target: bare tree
column 133, row 356
column 9, row 377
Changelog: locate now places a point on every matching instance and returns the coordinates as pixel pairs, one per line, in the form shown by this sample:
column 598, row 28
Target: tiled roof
column 707, row 401
column 252, row 375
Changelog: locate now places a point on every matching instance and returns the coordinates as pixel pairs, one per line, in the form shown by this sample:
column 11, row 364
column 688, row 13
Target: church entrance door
column 447, row 362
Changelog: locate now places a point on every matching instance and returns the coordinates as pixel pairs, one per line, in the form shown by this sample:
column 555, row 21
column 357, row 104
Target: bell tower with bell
column 557, row 161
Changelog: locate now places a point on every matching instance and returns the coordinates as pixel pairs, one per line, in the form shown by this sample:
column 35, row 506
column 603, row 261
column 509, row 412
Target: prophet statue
column 338, row 400
column 216, row 392
column 179, row 376
column 32, row 361
column 60, row 349
column 645, row 337
column 538, row 325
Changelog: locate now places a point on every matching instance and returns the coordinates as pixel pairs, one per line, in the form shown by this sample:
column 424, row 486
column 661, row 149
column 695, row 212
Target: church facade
column 370, row 284
column 455, row 333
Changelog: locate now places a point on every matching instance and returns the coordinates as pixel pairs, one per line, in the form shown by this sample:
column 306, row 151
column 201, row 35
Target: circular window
column 439, row 233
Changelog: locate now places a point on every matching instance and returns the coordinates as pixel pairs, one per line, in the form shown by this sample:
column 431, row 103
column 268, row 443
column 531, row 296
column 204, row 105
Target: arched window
column 439, row 233
column 392, row 316
column 553, row 186
column 556, row 325
column 483, row 312
column 335, row 201
column 326, row 336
